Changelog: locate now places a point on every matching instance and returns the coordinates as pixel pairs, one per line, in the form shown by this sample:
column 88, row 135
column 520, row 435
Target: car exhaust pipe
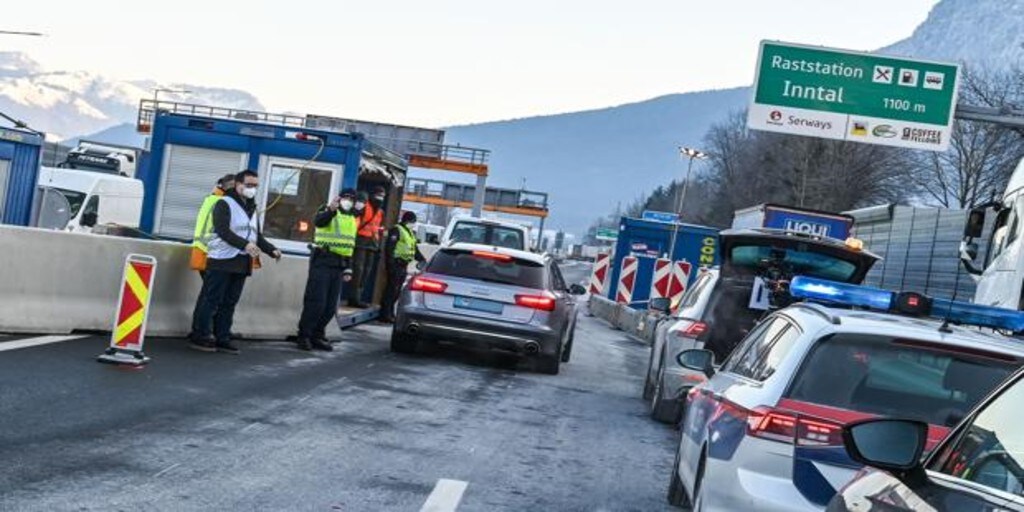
column 531, row 348
column 413, row 329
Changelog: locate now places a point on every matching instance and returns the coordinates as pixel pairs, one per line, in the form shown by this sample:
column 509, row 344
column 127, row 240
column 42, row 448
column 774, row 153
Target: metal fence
column 920, row 247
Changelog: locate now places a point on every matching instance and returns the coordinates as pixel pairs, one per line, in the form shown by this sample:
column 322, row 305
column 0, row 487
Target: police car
column 764, row 432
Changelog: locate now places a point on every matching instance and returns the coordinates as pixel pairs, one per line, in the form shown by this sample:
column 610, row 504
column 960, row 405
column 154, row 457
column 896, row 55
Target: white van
column 496, row 233
column 76, row 200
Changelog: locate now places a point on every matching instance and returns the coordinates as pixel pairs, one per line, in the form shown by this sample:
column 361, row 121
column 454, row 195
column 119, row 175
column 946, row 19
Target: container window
column 293, row 197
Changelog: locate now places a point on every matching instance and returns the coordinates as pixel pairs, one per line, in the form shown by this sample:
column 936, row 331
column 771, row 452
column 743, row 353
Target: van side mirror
column 975, row 225
column 969, row 251
column 577, row 289
column 699, row 360
column 661, row 305
column 892, row 445
column 88, row 219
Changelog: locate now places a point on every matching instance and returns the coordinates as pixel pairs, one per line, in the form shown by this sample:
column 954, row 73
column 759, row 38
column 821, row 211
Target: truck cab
column 103, row 158
column 999, row 273
column 79, row 201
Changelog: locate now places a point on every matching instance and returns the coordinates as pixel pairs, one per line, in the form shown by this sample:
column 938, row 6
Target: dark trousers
column 397, row 271
column 362, row 264
column 320, row 301
column 194, row 334
column 215, row 308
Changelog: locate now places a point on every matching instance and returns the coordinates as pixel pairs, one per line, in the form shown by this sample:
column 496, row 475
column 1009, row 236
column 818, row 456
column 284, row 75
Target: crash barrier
column 599, row 275
column 679, row 282
column 661, row 283
column 636, row 322
column 54, row 282
column 627, row 279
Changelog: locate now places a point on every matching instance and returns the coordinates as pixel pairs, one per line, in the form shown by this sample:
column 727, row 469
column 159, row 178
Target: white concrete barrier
column 56, row 282
column 640, row 324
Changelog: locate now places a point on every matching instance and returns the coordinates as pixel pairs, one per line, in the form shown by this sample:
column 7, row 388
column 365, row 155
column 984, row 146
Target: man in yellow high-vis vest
column 400, row 249
column 330, row 262
column 204, row 233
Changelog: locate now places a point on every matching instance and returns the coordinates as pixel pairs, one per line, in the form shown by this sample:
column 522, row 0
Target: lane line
column 35, row 342
column 166, row 470
column 446, row 496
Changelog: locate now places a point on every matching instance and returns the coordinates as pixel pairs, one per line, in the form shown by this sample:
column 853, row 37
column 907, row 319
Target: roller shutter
column 189, row 175
column 5, row 175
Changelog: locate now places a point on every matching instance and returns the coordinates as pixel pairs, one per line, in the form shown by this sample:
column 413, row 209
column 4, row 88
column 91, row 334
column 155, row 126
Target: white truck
column 84, row 201
column 104, row 158
column 1000, row 275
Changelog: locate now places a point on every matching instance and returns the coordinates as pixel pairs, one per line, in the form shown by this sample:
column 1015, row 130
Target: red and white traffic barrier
column 627, row 280
column 662, row 281
column 599, row 276
column 680, row 280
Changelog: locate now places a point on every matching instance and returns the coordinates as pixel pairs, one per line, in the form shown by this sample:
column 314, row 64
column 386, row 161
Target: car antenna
column 944, row 328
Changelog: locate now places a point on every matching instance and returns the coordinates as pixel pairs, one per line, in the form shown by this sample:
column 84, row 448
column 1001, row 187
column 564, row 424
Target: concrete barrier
column 56, row 282
column 640, row 324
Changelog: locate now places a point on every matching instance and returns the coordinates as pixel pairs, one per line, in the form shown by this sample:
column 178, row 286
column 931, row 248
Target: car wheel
column 664, row 409
column 403, row 343
column 549, row 364
column 698, row 486
column 676, row 494
column 649, row 380
column 567, row 351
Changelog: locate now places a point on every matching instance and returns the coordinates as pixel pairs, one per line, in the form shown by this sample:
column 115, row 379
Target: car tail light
column 768, row 423
column 425, row 284
column 492, row 256
column 545, row 302
column 693, row 331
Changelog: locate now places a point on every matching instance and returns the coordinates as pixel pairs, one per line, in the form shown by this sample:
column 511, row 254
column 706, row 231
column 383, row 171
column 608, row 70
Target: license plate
column 487, row 306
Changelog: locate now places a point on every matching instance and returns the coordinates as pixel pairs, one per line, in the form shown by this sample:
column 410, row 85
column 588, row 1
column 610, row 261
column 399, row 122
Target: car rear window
column 486, row 267
column 890, row 376
column 486, row 234
column 795, row 262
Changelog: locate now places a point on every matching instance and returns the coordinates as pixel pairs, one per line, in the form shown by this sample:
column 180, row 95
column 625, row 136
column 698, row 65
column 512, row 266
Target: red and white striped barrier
column 680, row 279
column 599, row 276
column 662, row 282
column 627, row 280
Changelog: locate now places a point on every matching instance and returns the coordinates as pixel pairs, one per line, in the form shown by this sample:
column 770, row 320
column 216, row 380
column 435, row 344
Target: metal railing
column 149, row 108
column 456, row 153
column 494, row 197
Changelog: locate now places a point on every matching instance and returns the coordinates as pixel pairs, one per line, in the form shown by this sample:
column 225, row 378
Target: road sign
column 844, row 95
column 608, row 234
column 669, row 217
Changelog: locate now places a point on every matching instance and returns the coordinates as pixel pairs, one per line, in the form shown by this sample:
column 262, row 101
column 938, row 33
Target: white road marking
column 35, row 342
column 446, row 496
column 166, row 470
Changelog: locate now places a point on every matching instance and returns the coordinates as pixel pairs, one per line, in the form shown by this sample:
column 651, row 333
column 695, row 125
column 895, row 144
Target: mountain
column 981, row 33
column 64, row 104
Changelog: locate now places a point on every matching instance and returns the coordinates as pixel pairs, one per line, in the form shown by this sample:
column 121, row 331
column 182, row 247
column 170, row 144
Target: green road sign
column 838, row 94
column 609, row 234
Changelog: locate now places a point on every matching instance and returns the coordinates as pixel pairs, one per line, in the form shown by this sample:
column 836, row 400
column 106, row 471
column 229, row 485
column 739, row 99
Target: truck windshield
column 797, row 262
column 487, row 234
column 75, row 199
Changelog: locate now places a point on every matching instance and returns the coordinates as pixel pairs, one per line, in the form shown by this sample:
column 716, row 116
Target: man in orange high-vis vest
column 367, row 243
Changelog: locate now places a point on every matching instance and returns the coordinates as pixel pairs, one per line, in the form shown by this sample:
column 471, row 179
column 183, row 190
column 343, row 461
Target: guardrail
column 640, row 324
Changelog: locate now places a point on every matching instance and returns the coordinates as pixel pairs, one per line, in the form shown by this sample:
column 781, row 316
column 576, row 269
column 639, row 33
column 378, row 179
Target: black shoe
column 228, row 347
column 352, row 303
column 321, row 345
column 202, row 344
column 304, row 344
column 386, row 320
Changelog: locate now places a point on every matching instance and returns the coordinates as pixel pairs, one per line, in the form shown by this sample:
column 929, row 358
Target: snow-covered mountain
column 979, row 33
column 69, row 103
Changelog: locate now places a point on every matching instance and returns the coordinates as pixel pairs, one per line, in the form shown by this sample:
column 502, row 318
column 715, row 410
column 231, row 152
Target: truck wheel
column 402, row 343
column 664, row 409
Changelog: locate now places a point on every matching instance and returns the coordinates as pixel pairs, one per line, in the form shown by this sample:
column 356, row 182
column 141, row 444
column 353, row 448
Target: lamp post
column 692, row 154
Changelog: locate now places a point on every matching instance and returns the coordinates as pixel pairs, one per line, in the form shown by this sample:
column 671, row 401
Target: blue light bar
column 820, row 290
column 976, row 314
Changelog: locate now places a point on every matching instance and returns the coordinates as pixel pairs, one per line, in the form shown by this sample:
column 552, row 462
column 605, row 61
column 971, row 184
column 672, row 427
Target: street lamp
column 158, row 90
column 692, row 154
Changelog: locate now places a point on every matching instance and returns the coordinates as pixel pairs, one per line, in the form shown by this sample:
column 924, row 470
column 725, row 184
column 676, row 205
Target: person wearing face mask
column 334, row 241
column 232, row 252
column 204, row 232
column 399, row 250
column 367, row 243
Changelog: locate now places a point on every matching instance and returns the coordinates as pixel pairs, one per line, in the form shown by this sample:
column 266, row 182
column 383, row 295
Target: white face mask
column 411, row 226
column 360, row 205
column 249, row 192
column 346, row 204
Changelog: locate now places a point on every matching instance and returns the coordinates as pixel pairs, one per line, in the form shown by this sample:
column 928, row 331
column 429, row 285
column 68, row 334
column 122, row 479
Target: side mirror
column 661, row 305
column 88, row 219
column 891, row 445
column 698, row 360
column 975, row 223
column 577, row 289
column 968, row 251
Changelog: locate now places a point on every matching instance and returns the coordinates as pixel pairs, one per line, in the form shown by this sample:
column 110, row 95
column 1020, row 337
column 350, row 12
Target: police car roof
column 917, row 328
column 515, row 253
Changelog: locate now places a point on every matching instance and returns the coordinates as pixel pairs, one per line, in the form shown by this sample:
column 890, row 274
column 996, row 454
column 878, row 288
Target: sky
column 443, row 62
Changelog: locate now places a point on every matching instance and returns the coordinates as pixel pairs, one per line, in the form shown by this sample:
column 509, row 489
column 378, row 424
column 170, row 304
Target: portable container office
column 649, row 240
column 20, row 153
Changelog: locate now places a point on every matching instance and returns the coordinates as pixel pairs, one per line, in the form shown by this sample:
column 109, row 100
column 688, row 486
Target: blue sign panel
column 819, row 224
column 660, row 216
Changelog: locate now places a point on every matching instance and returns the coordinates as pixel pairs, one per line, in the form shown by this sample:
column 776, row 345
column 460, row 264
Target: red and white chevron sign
column 627, row 280
column 662, row 282
column 599, row 276
column 680, row 279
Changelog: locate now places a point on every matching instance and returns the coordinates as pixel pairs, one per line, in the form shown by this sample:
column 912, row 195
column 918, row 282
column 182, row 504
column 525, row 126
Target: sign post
column 132, row 312
column 861, row 97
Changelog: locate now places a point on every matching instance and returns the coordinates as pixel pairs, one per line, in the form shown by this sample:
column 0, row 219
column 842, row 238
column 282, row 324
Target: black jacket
column 392, row 241
column 320, row 257
column 241, row 264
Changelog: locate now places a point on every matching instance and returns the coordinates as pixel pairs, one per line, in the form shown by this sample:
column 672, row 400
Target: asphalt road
column 356, row 429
